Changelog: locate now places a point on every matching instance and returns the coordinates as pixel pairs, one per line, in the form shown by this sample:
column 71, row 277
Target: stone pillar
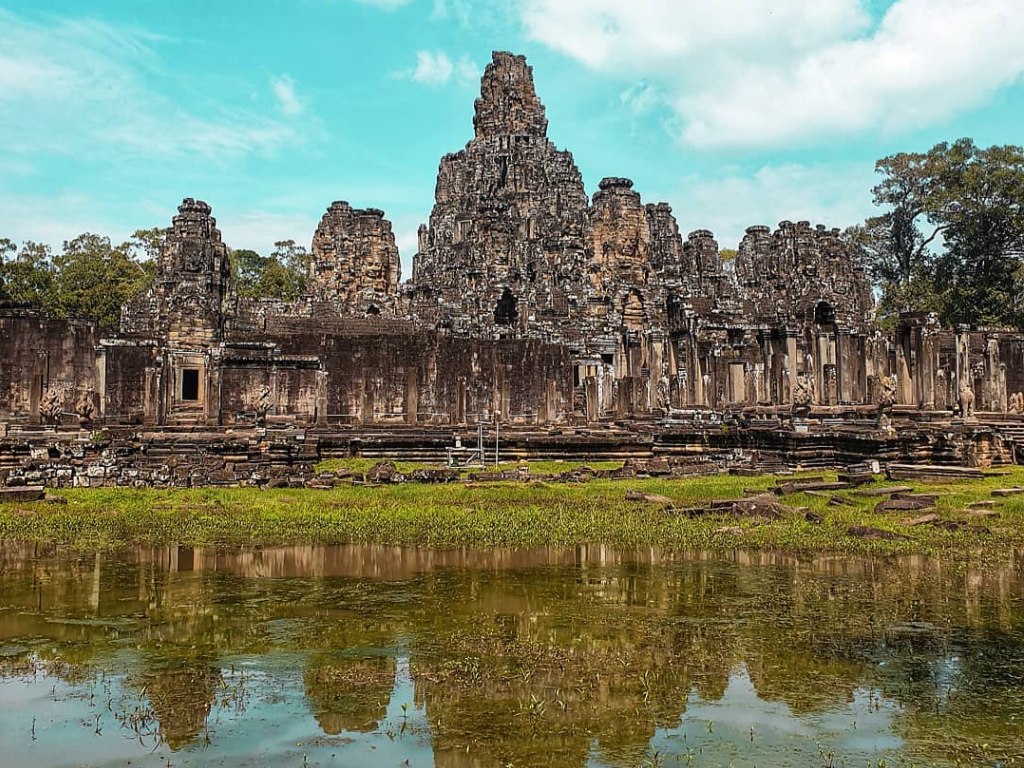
column 592, row 395
column 461, row 389
column 150, row 396
column 1002, row 401
column 101, row 380
column 840, row 350
column 991, row 390
column 697, row 374
column 963, row 359
column 737, row 383
column 211, row 407
column 40, row 380
column 904, row 365
column 412, row 394
column 790, row 369
column 928, row 365
column 506, row 393
column 550, row 402
column 321, row 398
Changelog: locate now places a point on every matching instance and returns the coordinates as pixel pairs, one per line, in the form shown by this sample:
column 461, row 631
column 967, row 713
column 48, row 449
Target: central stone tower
column 506, row 236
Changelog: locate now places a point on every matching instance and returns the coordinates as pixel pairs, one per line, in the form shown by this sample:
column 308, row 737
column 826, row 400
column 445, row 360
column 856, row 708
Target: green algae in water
column 584, row 657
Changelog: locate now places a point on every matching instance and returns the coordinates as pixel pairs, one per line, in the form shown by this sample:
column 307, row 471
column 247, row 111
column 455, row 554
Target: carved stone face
column 192, row 256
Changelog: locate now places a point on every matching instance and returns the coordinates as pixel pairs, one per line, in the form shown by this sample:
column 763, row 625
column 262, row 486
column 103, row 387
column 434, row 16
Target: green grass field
column 510, row 514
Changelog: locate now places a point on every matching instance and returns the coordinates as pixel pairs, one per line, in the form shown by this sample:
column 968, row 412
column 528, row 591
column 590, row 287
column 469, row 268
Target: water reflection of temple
column 585, row 651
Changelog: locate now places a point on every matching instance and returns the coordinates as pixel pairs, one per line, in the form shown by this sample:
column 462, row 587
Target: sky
column 736, row 112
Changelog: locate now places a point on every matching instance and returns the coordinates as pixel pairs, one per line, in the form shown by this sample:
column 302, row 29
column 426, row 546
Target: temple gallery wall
column 530, row 304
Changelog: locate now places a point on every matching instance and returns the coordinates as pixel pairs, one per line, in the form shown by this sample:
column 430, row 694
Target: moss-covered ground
column 516, row 514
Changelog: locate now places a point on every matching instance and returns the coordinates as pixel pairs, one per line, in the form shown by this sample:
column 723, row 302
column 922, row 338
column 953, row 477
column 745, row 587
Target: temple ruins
column 572, row 324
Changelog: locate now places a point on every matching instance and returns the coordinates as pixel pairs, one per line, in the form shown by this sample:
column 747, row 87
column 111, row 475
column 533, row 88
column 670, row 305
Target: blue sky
column 736, row 112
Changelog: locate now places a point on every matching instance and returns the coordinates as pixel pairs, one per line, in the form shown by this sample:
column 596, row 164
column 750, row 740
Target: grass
column 360, row 466
column 507, row 514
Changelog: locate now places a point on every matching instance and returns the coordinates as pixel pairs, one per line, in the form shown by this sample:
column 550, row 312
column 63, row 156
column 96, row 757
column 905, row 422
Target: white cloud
column 437, row 68
column 644, row 34
column 287, row 100
column 833, row 194
column 433, row 68
column 80, row 88
column 743, row 73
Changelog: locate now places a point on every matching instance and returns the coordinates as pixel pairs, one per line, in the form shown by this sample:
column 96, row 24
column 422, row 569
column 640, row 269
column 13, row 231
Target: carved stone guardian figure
column 803, row 395
column 966, row 401
column 1016, row 404
column 85, row 407
column 886, row 400
column 50, row 406
column 264, row 402
column 664, row 394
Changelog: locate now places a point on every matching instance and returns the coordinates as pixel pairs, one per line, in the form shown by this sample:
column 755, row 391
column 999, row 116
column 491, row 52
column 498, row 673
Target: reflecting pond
column 353, row 656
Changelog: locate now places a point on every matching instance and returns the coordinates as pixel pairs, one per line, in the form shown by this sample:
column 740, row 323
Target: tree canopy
column 950, row 237
column 281, row 275
column 90, row 277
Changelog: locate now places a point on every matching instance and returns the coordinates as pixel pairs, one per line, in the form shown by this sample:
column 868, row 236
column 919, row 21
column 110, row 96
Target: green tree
column 980, row 274
column 281, row 275
column 248, row 267
column 949, row 237
column 143, row 247
column 26, row 274
column 296, row 260
column 95, row 279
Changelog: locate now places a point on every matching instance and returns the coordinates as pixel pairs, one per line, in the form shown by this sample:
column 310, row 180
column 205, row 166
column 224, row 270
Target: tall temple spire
column 508, row 104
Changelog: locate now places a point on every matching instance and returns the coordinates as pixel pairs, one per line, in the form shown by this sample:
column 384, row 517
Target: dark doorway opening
column 506, row 313
column 824, row 314
column 190, row 384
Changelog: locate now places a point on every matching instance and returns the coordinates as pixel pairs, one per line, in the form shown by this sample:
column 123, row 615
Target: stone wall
column 40, row 355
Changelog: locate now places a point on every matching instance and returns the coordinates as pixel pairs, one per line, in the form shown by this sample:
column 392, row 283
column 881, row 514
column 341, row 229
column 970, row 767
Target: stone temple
column 575, row 324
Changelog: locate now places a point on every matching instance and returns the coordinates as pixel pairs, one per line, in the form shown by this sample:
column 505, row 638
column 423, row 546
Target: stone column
column 839, row 345
column 1002, row 401
column 40, row 380
column 963, row 359
column 904, row 365
column 550, row 402
column 321, row 397
column 991, row 394
column 412, row 394
column 791, row 368
column 211, row 410
column 101, row 380
column 928, row 364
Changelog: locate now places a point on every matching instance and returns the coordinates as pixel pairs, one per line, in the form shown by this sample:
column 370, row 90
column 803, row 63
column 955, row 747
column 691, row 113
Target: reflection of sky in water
column 744, row 728
column 270, row 724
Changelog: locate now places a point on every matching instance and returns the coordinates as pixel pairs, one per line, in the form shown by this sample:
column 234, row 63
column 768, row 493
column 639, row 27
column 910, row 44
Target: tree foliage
column 949, row 238
column 90, row 277
column 26, row 274
column 95, row 279
column 281, row 275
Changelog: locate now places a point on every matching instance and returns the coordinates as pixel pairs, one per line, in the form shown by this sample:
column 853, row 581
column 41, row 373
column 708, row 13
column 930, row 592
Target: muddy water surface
column 353, row 656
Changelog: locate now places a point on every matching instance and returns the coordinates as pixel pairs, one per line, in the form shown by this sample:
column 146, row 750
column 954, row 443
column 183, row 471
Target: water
column 355, row 656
